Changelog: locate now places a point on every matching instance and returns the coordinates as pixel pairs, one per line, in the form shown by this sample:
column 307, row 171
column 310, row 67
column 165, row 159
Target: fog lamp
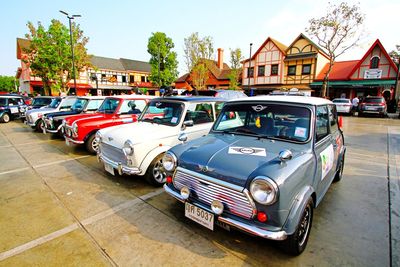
column 185, row 192
column 262, row 217
column 217, row 207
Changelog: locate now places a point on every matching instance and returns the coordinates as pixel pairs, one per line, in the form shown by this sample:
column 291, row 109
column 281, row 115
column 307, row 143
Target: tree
column 395, row 54
column 164, row 65
column 8, row 84
column 198, row 53
column 336, row 32
column 49, row 54
column 236, row 70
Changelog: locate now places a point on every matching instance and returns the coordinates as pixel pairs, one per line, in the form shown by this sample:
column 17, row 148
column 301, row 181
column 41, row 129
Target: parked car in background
column 265, row 165
column 11, row 107
column 41, row 101
column 138, row 148
column 34, row 117
column 343, row 105
column 115, row 110
column 373, row 105
column 222, row 93
column 82, row 105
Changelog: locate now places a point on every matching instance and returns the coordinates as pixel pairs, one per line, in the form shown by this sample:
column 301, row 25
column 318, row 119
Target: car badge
column 110, row 138
column 203, row 168
column 259, row 108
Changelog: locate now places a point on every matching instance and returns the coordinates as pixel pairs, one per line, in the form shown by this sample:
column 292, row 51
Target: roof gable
column 302, row 36
column 135, row 65
column 279, row 45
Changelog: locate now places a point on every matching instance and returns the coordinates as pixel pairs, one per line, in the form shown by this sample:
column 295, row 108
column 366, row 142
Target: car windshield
column 41, row 101
column 163, row 112
column 3, row 102
column 109, row 105
column 79, row 104
column 263, row 120
column 374, row 100
column 340, row 100
column 67, row 103
column 55, row 102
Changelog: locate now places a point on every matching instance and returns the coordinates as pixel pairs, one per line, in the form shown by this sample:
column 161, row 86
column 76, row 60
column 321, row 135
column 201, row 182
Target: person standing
column 354, row 103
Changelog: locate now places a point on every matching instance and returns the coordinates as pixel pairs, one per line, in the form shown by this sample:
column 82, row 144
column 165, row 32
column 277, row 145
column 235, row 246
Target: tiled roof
column 135, row 65
column 341, row 70
column 183, row 78
column 217, row 72
column 107, row 63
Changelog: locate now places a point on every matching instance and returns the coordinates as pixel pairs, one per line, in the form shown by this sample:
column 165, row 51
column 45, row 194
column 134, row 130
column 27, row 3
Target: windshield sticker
column 259, row 108
column 258, row 123
column 174, row 119
column 127, row 120
column 300, row 132
column 254, row 151
column 327, row 157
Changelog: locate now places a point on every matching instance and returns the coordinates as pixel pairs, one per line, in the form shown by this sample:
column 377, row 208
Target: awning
column 80, row 85
column 115, row 87
column 357, row 83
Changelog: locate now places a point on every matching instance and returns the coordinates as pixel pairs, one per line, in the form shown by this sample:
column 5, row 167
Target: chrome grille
column 235, row 202
column 68, row 130
column 113, row 153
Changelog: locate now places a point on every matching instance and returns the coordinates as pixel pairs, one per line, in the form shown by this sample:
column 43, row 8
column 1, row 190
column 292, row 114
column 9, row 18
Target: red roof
column 341, row 70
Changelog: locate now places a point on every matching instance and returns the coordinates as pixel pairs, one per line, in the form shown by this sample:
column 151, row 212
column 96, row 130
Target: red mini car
column 115, row 110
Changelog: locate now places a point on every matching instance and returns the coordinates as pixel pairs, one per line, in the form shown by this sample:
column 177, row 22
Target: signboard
column 373, row 74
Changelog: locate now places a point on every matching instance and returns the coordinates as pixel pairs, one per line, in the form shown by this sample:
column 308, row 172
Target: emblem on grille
column 110, row 138
column 203, row 168
column 259, row 108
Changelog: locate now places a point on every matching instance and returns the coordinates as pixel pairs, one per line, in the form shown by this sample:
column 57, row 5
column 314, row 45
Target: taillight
column 382, row 104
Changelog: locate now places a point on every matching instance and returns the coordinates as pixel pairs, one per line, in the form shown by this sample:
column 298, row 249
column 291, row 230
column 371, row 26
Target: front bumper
column 54, row 131
column 73, row 141
column 122, row 169
column 247, row 228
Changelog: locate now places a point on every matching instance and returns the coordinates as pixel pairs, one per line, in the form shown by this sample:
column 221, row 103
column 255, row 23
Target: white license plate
column 371, row 108
column 199, row 215
column 109, row 168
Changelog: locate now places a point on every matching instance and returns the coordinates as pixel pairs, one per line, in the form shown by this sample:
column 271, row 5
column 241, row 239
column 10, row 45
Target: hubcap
column 95, row 145
column 304, row 226
column 6, row 118
column 158, row 174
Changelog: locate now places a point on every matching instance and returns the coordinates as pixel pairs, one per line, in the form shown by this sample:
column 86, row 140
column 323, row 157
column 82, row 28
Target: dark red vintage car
column 115, row 110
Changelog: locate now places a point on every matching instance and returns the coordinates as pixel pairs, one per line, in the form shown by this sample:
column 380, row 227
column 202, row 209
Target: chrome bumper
column 54, row 130
column 250, row 229
column 73, row 141
column 118, row 166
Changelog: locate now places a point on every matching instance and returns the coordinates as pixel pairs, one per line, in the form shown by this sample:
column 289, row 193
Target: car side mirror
column 188, row 123
column 183, row 137
column 285, row 155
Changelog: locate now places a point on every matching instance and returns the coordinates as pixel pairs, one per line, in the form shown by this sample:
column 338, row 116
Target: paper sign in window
column 300, row 132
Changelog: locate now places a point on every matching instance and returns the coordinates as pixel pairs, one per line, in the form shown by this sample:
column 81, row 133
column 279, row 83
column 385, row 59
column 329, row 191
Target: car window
column 3, row 102
column 109, row 105
column 200, row 113
column 94, row 104
column 163, row 112
column 55, row 102
column 79, row 104
column 132, row 106
column 322, row 127
column 374, row 100
column 333, row 118
column 340, row 100
column 13, row 101
column 218, row 108
column 67, row 103
column 41, row 101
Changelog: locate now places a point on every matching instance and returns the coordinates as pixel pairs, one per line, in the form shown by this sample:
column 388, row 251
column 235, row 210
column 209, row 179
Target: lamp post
column 248, row 72
column 72, row 45
column 159, row 64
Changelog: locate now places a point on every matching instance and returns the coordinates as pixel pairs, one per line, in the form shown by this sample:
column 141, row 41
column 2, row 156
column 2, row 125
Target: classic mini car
column 139, row 147
column 115, row 110
column 38, row 102
column 265, row 165
column 82, row 105
column 11, row 107
column 373, row 105
column 343, row 105
column 34, row 117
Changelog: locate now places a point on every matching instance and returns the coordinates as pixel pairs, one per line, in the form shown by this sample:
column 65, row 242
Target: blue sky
column 121, row 28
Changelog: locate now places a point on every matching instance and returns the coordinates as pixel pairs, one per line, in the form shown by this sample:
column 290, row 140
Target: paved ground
column 58, row 207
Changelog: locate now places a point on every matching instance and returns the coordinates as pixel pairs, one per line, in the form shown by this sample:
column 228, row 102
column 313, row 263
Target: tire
column 297, row 242
column 5, row 118
column 154, row 174
column 339, row 173
column 39, row 125
column 91, row 144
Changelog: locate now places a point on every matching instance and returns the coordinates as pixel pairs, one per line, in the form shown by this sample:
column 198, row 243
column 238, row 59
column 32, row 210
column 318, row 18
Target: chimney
column 220, row 63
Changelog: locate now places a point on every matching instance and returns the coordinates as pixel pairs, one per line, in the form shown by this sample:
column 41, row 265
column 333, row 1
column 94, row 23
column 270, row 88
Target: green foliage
column 395, row 54
column 337, row 31
column 236, row 70
column 8, row 84
column 49, row 55
column 164, row 65
column 198, row 51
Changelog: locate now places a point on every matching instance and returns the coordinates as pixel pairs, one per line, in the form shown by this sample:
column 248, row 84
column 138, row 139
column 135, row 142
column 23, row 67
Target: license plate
column 371, row 108
column 109, row 168
column 199, row 215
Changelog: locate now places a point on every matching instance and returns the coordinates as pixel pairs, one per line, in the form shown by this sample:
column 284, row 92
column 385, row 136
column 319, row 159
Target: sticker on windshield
column 174, row 120
column 327, row 157
column 127, row 120
column 300, row 132
column 254, row 151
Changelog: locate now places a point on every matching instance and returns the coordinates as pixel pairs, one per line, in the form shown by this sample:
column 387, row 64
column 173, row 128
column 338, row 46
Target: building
column 106, row 76
column 374, row 74
column 217, row 72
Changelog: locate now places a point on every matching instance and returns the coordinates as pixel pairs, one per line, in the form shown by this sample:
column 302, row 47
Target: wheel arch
column 150, row 156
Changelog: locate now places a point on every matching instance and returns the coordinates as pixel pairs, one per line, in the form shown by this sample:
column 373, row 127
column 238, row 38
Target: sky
column 121, row 28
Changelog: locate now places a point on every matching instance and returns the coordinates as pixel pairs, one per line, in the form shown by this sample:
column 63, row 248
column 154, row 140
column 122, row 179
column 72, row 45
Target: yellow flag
column 258, row 123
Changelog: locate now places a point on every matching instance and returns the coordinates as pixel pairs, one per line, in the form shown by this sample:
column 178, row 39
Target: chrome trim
column 118, row 166
column 252, row 203
column 73, row 141
column 251, row 229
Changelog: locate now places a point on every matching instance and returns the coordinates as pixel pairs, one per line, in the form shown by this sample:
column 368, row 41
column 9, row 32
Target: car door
column 336, row 135
column 202, row 115
column 130, row 110
column 324, row 151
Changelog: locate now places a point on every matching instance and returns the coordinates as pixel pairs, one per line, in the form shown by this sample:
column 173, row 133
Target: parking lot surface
column 58, row 207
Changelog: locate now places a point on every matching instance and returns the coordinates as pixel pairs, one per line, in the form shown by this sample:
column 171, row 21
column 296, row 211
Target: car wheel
column 155, row 174
column 92, row 145
column 5, row 118
column 339, row 173
column 296, row 243
column 39, row 125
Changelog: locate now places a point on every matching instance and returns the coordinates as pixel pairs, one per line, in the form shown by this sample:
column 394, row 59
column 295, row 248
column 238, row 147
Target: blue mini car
column 265, row 165
column 11, row 107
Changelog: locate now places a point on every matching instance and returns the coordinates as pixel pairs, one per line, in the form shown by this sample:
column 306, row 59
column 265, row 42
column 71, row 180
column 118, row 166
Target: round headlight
column 128, row 148
column 264, row 190
column 169, row 161
column 75, row 128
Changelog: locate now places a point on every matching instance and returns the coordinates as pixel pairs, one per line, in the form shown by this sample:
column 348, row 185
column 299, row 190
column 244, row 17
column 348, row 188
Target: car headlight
column 264, row 190
column 64, row 123
column 169, row 161
column 75, row 128
column 99, row 137
column 128, row 148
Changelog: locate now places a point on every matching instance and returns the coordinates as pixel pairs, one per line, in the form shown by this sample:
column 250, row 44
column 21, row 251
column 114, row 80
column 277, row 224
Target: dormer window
column 374, row 62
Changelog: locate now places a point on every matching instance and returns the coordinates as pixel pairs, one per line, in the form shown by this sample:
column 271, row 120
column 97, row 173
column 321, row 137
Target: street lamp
column 248, row 72
column 72, row 45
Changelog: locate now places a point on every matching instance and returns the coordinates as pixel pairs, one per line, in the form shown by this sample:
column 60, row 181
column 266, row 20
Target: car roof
column 46, row 96
column 307, row 100
column 8, row 96
column 341, row 99
column 191, row 98
column 92, row 97
column 131, row 96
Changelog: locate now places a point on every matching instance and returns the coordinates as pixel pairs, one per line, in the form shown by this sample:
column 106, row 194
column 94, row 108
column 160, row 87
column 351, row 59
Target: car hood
column 137, row 132
column 40, row 110
column 84, row 117
column 62, row 113
column 233, row 159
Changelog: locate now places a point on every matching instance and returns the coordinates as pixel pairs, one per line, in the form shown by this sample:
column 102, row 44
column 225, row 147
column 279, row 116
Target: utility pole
column 248, row 71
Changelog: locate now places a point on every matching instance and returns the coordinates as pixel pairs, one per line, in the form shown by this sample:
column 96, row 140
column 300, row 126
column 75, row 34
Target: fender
column 150, row 156
column 298, row 206
column 2, row 112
